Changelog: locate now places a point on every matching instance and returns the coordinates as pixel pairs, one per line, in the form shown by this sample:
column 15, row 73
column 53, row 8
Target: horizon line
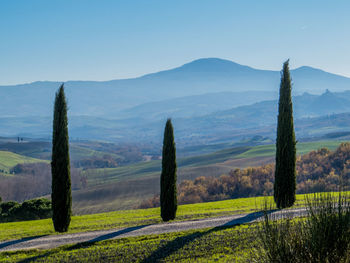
column 164, row 70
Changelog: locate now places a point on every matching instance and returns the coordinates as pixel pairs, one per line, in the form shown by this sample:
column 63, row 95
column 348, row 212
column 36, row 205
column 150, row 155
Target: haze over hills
column 314, row 115
column 208, row 98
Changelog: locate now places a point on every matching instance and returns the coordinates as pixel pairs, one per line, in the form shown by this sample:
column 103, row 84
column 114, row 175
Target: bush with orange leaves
column 317, row 171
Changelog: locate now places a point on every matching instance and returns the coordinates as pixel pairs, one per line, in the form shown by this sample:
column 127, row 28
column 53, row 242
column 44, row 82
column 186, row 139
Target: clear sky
column 110, row 39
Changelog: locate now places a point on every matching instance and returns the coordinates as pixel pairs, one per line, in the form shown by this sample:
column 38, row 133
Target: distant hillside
column 197, row 105
column 265, row 112
column 315, row 115
column 81, row 152
column 9, row 159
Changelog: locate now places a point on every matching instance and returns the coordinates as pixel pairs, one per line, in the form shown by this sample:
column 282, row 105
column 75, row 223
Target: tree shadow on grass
column 17, row 241
column 163, row 251
column 180, row 242
column 104, row 237
column 85, row 244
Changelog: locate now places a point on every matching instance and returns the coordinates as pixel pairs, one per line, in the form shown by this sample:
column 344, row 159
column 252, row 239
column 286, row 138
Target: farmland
column 124, row 187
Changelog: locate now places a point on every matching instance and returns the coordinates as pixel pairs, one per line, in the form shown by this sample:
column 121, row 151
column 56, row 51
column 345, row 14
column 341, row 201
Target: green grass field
column 10, row 159
column 231, row 244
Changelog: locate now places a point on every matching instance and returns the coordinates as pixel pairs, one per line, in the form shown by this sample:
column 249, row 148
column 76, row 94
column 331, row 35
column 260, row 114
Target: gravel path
column 52, row 241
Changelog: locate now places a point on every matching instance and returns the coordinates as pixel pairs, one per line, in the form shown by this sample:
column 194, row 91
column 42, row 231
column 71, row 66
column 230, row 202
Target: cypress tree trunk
column 168, row 194
column 60, row 166
column 285, row 173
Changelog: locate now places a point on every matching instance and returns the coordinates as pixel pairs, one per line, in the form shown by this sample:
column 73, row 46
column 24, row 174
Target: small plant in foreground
column 323, row 236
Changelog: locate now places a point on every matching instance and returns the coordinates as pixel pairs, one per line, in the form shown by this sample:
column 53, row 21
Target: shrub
column 36, row 209
column 323, row 236
column 29, row 210
column 7, row 208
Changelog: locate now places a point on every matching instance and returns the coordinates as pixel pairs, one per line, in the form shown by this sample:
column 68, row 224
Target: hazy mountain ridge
column 210, row 75
column 221, row 126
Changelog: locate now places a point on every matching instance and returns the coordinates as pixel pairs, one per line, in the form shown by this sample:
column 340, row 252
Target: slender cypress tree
column 285, row 173
column 60, row 166
column 168, row 193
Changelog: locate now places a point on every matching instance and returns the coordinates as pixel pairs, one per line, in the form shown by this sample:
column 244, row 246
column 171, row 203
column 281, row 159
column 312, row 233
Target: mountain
column 210, row 75
column 210, row 100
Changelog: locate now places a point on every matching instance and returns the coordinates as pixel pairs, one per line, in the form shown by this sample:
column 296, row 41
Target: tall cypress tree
column 285, row 173
column 168, row 192
column 60, row 166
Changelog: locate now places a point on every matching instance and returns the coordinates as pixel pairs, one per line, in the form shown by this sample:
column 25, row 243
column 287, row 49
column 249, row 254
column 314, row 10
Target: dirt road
column 52, row 241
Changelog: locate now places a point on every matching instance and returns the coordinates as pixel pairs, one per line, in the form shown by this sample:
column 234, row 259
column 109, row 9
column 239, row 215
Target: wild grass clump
column 322, row 236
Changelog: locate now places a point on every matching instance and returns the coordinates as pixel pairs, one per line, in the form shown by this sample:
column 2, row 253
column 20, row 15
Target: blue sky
column 102, row 40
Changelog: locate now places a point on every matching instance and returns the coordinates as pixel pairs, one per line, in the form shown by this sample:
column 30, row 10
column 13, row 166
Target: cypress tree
column 60, row 165
column 285, row 173
column 168, row 193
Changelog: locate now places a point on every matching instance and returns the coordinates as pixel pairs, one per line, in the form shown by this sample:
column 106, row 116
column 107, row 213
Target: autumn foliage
column 317, row 171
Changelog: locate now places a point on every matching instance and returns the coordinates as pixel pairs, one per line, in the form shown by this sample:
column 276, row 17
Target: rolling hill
column 10, row 159
column 125, row 187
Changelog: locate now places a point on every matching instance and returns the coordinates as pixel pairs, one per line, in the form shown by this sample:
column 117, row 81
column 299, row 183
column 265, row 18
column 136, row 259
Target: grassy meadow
column 231, row 244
